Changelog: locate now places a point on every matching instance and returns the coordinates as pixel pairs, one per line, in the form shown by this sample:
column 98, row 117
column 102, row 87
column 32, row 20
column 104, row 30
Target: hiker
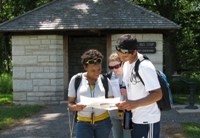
column 115, row 66
column 91, row 122
column 141, row 98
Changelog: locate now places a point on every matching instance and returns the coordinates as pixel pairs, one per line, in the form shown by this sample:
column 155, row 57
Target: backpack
column 77, row 82
column 164, row 103
column 104, row 80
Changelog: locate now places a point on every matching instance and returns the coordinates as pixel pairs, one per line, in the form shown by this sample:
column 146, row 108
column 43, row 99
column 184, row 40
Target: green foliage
column 11, row 115
column 10, row 9
column 6, row 99
column 194, row 77
column 184, row 99
column 13, row 8
column 179, row 87
column 186, row 43
column 180, row 98
column 5, row 84
column 188, row 38
column 192, row 130
column 182, row 87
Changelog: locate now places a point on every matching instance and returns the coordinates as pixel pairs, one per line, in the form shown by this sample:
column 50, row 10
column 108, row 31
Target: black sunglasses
column 115, row 67
column 124, row 51
column 94, row 61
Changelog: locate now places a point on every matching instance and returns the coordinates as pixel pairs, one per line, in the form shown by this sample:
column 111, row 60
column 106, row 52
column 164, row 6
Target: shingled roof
column 88, row 14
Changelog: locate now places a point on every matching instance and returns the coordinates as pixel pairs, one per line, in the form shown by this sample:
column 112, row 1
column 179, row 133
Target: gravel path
column 171, row 121
column 52, row 122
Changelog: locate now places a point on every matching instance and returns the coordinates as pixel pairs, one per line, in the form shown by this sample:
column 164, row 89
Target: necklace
column 92, row 90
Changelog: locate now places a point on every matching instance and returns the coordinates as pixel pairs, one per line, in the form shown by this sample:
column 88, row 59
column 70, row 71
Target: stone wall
column 38, row 69
column 38, row 66
column 156, row 58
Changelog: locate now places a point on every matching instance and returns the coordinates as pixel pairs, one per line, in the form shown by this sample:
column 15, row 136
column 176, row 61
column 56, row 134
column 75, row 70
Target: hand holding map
column 100, row 102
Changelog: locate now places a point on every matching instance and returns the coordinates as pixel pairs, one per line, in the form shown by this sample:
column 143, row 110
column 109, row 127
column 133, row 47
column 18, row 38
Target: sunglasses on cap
column 94, row 61
column 124, row 51
column 115, row 67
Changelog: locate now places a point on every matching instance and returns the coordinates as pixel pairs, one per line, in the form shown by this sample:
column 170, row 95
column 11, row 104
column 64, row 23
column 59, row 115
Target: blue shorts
column 146, row 130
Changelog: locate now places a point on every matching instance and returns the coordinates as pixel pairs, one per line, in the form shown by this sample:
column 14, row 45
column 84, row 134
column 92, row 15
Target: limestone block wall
column 156, row 58
column 38, row 69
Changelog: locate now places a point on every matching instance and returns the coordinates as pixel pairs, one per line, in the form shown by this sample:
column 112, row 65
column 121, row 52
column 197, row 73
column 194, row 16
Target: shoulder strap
column 77, row 82
column 103, row 79
column 144, row 57
column 105, row 84
column 108, row 75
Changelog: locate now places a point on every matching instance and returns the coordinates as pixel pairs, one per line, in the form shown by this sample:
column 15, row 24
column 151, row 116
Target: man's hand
column 128, row 105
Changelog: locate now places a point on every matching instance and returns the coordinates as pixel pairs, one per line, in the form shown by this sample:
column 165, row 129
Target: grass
column 11, row 114
column 6, row 99
column 191, row 130
column 183, row 99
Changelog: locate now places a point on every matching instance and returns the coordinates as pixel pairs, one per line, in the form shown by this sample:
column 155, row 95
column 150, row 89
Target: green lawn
column 191, row 130
column 11, row 114
column 183, row 99
column 6, row 99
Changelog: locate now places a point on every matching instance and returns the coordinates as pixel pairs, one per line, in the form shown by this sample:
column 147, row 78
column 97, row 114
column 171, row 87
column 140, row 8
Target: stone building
column 48, row 41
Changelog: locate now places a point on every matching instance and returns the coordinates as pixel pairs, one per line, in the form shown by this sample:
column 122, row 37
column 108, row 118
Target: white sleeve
column 149, row 76
column 71, row 87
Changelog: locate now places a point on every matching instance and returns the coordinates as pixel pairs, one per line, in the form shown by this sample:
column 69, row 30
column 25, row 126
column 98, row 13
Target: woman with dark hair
column 91, row 122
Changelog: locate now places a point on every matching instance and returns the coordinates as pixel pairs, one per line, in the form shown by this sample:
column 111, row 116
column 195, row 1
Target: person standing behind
column 91, row 122
column 141, row 98
column 115, row 65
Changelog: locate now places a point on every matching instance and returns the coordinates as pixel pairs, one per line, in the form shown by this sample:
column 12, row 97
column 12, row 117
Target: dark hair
column 90, row 54
column 127, row 42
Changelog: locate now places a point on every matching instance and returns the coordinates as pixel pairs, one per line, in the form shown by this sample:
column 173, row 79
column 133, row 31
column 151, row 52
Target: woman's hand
column 79, row 107
column 73, row 106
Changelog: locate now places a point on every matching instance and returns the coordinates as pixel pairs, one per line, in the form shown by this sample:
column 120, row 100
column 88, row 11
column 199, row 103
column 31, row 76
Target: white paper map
column 100, row 102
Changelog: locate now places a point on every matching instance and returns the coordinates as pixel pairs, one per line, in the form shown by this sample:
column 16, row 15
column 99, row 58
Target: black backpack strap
column 77, row 82
column 139, row 60
column 108, row 75
column 104, row 80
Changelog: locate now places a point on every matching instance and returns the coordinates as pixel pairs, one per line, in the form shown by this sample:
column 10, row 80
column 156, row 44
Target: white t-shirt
column 136, row 90
column 84, row 90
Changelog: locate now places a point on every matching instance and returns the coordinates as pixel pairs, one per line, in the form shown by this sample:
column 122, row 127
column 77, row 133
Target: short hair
column 114, row 57
column 90, row 54
column 127, row 42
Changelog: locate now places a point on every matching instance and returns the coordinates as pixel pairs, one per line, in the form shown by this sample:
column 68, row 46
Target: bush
column 5, row 83
column 181, row 87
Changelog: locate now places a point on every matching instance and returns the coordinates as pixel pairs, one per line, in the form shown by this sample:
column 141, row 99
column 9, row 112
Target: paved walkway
column 52, row 122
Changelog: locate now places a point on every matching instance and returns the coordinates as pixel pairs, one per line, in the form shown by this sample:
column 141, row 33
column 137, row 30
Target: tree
column 10, row 9
column 181, row 47
column 189, row 36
